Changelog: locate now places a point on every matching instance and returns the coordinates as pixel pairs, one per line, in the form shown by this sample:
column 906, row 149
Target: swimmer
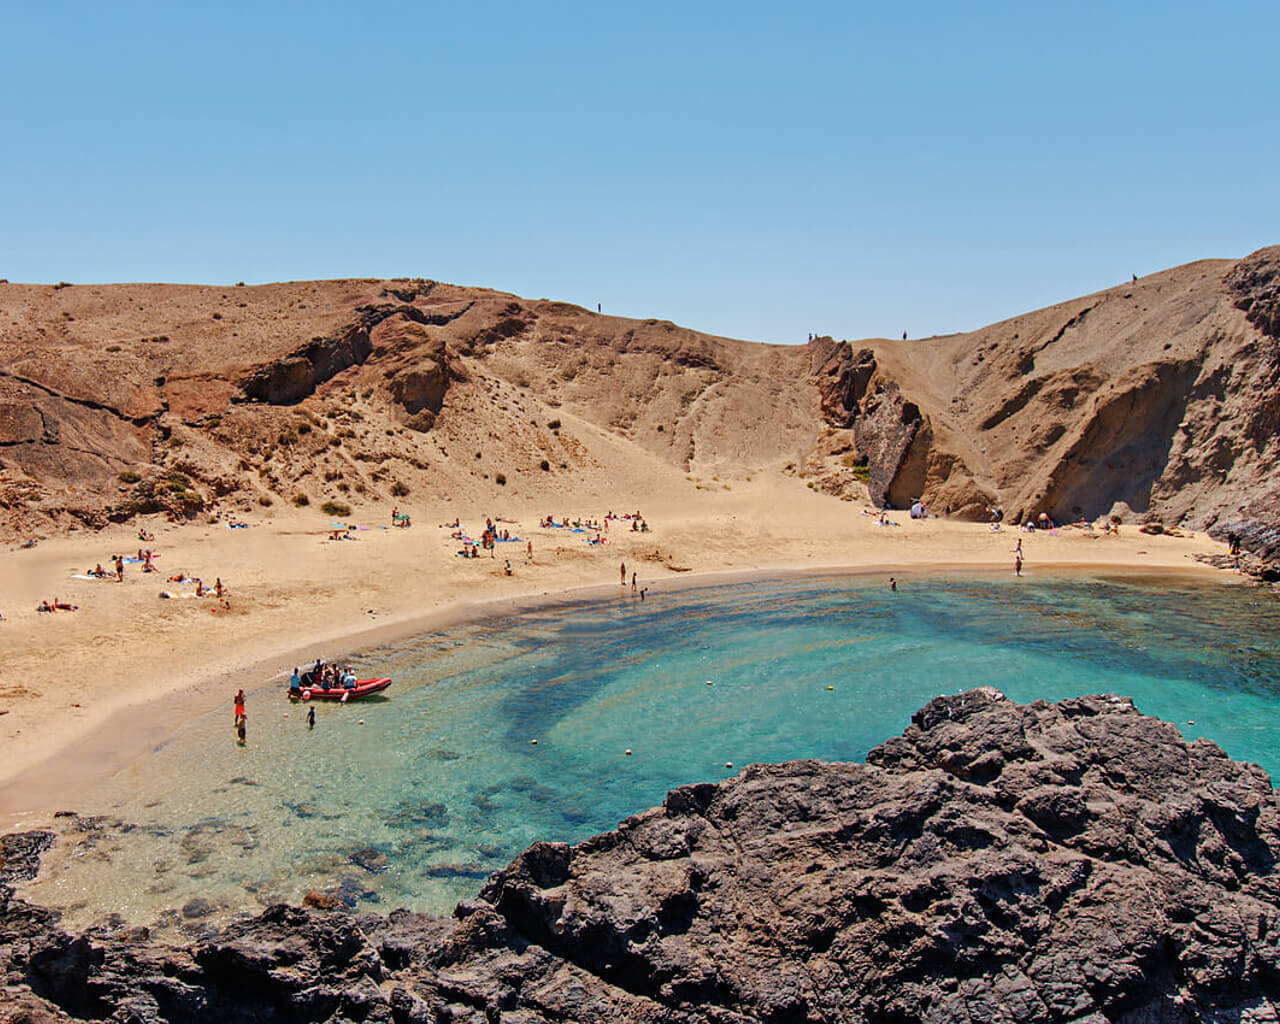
column 893, row 584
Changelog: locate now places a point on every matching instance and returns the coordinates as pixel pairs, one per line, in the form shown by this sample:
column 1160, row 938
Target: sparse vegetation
column 336, row 509
column 400, row 490
column 500, row 480
column 545, row 466
column 553, row 425
column 304, row 428
column 113, row 348
column 265, row 500
column 288, row 438
column 129, row 477
column 301, row 500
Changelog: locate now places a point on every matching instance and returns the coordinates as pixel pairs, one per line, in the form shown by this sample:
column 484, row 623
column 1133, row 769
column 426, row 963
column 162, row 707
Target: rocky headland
column 1156, row 401
column 1070, row 862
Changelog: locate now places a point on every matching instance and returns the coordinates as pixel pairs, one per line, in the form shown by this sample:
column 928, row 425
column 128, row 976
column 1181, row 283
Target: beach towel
column 83, row 576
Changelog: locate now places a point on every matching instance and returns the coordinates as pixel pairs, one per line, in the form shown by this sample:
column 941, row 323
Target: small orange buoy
column 830, row 687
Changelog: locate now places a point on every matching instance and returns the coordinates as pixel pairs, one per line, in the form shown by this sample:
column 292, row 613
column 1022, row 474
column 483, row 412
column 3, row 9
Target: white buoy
column 708, row 682
column 361, row 722
column 534, row 742
column 306, row 694
column 728, row 764
column 628, row 752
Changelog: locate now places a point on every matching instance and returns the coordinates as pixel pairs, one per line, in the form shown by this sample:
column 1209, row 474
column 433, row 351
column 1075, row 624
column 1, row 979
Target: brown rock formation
column 1159, row 399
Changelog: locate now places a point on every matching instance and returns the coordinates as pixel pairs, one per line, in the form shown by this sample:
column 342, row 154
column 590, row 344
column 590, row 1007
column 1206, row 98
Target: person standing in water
column 622, row 574
column 311, row 717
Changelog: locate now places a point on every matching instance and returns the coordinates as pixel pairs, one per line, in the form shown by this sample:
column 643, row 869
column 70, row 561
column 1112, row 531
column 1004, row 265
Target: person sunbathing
column 44, row 606
column 98, row 571
column 199, row 589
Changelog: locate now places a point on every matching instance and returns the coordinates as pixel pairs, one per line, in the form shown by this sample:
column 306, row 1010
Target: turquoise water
column 443, row 783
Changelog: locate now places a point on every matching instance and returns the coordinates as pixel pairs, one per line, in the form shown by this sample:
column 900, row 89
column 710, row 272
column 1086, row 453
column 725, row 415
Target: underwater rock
column 996, row 862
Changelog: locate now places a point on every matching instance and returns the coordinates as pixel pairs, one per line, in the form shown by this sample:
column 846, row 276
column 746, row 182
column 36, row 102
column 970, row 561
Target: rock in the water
column 995, row 863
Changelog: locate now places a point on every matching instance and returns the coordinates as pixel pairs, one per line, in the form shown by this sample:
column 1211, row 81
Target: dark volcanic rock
column 997, row 862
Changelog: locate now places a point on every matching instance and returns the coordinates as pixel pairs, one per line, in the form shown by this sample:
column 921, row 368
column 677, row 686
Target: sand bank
column 84, row 692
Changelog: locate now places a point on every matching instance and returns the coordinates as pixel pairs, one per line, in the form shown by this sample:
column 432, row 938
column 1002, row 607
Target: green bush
column 129, row 477
column 335, row 509
column 545, row 465
column 301, row 500
column 554, row 425
column 265, row 500
column 500, row 479
column 399, row 489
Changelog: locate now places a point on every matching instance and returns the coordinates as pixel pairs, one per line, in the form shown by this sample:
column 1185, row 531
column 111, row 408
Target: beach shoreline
column 92, row 691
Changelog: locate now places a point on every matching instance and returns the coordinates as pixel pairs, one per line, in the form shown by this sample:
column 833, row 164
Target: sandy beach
column 137, row 661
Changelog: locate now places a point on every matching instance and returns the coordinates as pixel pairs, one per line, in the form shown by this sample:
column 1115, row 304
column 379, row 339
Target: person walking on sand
column 119, row 569
column 239, row 701
column 311, row 717
column 622, row 574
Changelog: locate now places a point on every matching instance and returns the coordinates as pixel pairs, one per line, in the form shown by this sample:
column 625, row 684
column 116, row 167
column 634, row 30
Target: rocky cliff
column 1072, row 862
column 1158, row 400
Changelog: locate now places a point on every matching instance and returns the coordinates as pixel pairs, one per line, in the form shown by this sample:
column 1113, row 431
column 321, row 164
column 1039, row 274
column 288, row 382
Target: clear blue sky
column 754, row 171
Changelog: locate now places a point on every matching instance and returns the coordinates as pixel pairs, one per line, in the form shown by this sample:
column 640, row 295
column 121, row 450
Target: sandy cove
column 137, row 661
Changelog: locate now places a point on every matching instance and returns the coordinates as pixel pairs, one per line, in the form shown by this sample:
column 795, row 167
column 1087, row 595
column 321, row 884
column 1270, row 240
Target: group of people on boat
column 323, row 676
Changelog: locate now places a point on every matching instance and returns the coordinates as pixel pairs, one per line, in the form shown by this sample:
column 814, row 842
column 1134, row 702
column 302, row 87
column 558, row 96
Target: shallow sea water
column 442, row 785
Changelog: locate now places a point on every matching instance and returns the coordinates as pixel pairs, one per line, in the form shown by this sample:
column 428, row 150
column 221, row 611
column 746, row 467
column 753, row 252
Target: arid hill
column 1156, row 400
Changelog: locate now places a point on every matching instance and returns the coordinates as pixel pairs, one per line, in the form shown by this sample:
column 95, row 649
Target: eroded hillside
column 1156, row 400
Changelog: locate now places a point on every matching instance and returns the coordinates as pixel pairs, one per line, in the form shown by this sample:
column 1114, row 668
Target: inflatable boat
column 363, row 688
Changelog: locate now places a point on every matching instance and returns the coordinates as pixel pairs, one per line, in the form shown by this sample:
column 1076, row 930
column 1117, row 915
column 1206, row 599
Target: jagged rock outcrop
column 997, row 862
column 1255, row 283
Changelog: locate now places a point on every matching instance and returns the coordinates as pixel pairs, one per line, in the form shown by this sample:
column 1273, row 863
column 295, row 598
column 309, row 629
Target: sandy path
column 294, row 593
